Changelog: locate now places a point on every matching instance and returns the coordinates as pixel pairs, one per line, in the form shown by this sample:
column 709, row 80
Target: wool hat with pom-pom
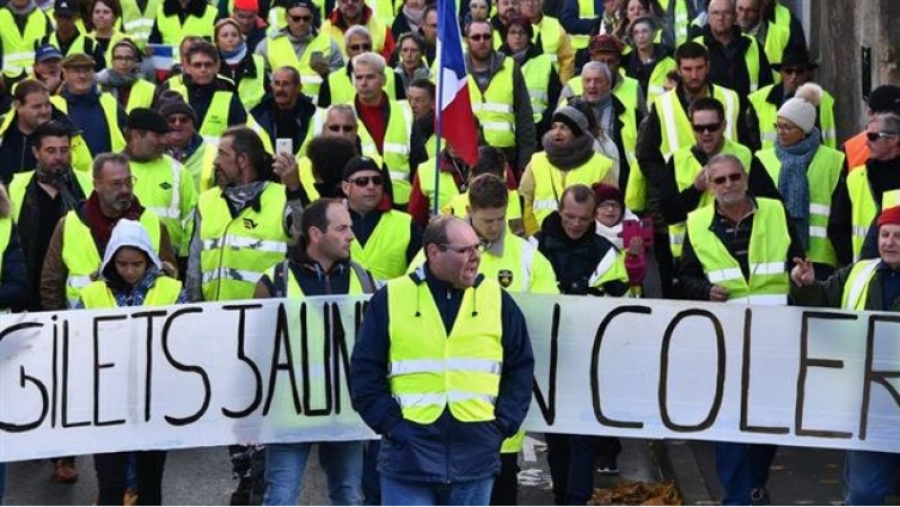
column 801, row 109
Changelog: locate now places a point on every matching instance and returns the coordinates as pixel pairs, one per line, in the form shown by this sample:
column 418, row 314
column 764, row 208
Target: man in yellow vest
column 320, row 266
column 31, row 108
column 22, row 26
column 685, row 181
column 388, row 123
column 349, row 13
column 123, row 77
column 499, row 97
column 68, row 38
column 773, row 38
column 188, row 147
column 98, row 114
column 869, row 285
column 386, row 239
column 302, row 46
column 137, row 19
column 739, row 250
column 422, row 96
column 162, row 184
column 339, row 87
column 550, row 38
column 608, row 49
column 426, row 326
column 177, row 19
column 776, row 12
column 865, row 190
column 580, row 18
column 286, row 113
column 48, row 67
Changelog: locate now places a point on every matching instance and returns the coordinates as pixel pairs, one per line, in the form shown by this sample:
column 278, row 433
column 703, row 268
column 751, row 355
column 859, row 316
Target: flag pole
column 439, row 120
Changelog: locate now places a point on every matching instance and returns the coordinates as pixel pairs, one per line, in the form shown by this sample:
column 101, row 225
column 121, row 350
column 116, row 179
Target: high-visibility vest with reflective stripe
column 20, row 182
column 551, row 33
column 18, row 46
column 548, row 181
column 307, row 178
column 215, row 123
column 386, row 10
column 537, row 79
column 675, row 126
column 294, row 291
column 137, row 24
column 767, row 255
column 200, row 165
column 5, row 235
column 385, row 252
column 682, row 19
column 376, row 28
column 343, row 91
column 395, row 149
column 585, row 11
column 237, row 251
column 656, row 85
column 80, row 255
column 777, row 38
column 164, row 292
column 172, row 31
column 448, row 189
column 823, row 174
column 782, row 15
column 767, row 114
column 77, row 45
column 251, row 90
column 856, row 288
column 687, row 167
column 317, row 127
column 751, row 58
column 281, row 54
column 430, row 372
column 458, row 204
column 863, row 208
column 494, row 107
column 158, row 185
column 141, row 95
column 627, row 91
column 110, row 112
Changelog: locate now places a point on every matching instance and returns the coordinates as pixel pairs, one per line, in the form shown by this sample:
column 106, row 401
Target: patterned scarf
column 793, row 183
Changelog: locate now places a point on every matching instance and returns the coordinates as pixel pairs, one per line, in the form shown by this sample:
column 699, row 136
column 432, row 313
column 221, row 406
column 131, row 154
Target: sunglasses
column 480, row 37
column 360, row 47
column 705, row 129
column 874, row 136
column 363, row 181
column 793, row 71
column 304, row 18
column 341, row 128
column 733, row 177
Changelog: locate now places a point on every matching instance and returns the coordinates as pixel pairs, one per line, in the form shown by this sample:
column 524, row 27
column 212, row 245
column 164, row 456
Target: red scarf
column 101, row 226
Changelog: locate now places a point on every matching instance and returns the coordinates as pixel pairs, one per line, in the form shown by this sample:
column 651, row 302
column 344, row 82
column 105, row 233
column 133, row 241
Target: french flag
column 455, row 120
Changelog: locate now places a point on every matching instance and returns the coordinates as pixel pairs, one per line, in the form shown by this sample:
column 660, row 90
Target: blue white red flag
column 455, row 118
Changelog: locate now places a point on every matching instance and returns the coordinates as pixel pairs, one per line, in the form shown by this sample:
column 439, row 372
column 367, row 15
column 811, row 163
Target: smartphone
column 315, row 57
column 284, row 145
column 642, row 228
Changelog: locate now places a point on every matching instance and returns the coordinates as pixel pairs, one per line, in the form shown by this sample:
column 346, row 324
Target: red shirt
column 375, row 120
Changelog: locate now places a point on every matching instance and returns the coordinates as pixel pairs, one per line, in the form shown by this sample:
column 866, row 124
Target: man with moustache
column 287, row 113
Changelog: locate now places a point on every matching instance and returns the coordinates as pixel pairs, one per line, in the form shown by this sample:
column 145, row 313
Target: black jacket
column 732, row 72
column 303, row 111
column 195, row 8
column 13, row 280
column 200, row 97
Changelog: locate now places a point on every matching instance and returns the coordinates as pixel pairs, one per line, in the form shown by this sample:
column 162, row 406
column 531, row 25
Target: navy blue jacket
column 13, row 282
column 576, row 25
column 447, row 450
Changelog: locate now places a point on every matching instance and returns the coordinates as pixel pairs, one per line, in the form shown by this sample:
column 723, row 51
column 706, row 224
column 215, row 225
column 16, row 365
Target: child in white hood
column 609, row 215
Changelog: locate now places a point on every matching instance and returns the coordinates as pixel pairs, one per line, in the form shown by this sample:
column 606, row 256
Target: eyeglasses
column 304, row 18
column 175, row 119
column 363, row 181
column 360, row 47
column 204, row 64
column 125, row 183
column 874, row 136
column 733, row 177
column 468, row 250
column 341, row 128
column 785, row 127
column 609, row 205
column 708, row 128
column 480, row 37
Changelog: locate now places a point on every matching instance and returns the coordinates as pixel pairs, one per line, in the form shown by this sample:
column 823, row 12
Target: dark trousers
column 571, row 459
column 112, row 476
column 371, row 480
column 741, row 468
column 506, row 485
column 666, row 263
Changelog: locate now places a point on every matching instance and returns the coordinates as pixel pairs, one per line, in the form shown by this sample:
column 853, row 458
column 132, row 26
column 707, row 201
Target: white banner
column 259, row 372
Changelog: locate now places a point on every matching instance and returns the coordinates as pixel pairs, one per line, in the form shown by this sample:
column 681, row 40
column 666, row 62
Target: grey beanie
column 573, row 118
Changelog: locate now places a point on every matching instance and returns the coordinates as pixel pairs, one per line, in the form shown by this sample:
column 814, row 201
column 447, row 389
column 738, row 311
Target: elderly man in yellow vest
column 81, row 236
column 773, row 38
column 302, row 46
column 500, row 97
column 339, row 88
column 186, row 146
column 348, row 13
column 388, row 123
column 550, row 37
column 739, row 250
column 22, row 25
column 485, row 396
column 162, row 184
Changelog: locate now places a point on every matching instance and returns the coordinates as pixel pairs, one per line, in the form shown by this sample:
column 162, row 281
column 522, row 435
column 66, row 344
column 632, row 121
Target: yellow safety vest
column 585, row 11
column 281, row 54
column 18, row 46
column 552, row 36
column 687, row 167
column 396, row 148
column 675, row 126
column 377, row 31
column 294, row 291
column 447, row 190
column 200, row 166
column 385, row 252
column 434, row 371
column 251, row 90
column 536, row 72
column 856, row 289
column 751, row 58
column 141, row 95
column 864, row 209
column 340, row 84
column 172, row 31
column 110, row 112
column 777, row 38
column 386, row 10
column 80, row 255
column 458, row 204
column 164, row 187
column 164, row 292
column 494, row 107
column 767, row 114
column 767, row 256
column 78, row 45
column 307, row 178
column 137, row 24
column 5, row 236
column 656, row 85
column 317, row 127
column 682, row 19
column 81, row 155
column 237, row 251
column 823, row 174
column 20, row 182
column 548, row 185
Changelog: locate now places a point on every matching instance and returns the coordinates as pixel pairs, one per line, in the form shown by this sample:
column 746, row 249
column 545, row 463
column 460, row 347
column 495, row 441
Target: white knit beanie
column 801, row 109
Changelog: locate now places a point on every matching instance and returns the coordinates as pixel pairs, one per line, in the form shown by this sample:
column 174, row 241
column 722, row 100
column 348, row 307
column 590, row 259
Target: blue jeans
column 741, row 468
column 285, row 464
column 371, row 483
column 2, row 481
column 869, row 477
column 399, row 492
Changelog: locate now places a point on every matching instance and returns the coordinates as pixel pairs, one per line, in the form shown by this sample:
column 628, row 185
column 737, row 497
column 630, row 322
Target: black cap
column 290, row 4
column 885, row 99
column 142, row 118
column 65, row 7
column 796, row 57
column 177, row 107
column 358, row 164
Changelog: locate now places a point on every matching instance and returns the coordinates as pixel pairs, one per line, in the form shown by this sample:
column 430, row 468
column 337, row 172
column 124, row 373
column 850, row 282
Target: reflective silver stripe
column 676, row 238
column 79, row 282
column 767, row 268
column 243, row 242
column 238, row 275
column 527, row 256
column 309, row 79
column 402, row 149
column 860, row 231
column 538, row 95
column 818, row 232
column 420, row 400
column 829, row 134
column 669, row 118
column 409, row 366
column 545, row 204
column 761, row 300
column 730, row 114
column 553, row 58
column 399, row 175
column 165, row 212
column 213, row 140
column 819, row 209
column 769, row 136
column 140, row 22
column 859, row 284
column 29, row 55
column 496, row 107
column 724, row 275
column 606, row 263
column 497, row 125
column 656, row 90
